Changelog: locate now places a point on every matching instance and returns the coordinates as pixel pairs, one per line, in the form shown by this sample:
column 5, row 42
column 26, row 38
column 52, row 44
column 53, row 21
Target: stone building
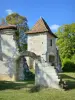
column 42, row 41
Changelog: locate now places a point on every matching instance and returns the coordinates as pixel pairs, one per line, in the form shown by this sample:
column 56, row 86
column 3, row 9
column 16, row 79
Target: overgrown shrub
column 68, row 65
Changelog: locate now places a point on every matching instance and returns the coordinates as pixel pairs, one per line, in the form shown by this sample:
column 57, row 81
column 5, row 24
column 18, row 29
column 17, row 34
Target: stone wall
column 51, row 50
column 37, row 43
column 8, row 52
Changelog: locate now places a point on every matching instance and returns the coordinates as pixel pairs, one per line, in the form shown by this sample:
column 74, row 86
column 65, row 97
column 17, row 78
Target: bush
column 68, row 65
column 73, row 58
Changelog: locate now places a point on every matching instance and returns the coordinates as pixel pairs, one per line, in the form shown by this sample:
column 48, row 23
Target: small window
column 50, row 42
column 42, row 42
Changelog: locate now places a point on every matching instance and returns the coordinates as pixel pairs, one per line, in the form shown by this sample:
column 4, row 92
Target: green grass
column 22, row 90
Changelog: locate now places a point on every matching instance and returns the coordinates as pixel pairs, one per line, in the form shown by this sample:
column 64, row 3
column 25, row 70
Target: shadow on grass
column 35, row 89
column 27, row 83
column 15, row 85
column 70, row 81
column 67, row 76
column 71, row 84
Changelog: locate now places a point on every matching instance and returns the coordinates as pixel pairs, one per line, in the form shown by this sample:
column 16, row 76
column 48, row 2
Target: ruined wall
column 8, row 52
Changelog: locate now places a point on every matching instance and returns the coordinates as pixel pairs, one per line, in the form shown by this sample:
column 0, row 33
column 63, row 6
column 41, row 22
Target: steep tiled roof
column 8, row 27
column 39, row 27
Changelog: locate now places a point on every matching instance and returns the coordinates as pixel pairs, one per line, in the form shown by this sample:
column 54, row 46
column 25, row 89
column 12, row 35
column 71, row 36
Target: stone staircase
column 46, row 75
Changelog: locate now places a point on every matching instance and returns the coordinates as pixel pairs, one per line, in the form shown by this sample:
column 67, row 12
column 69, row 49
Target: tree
column 16, row 19
column 2, row 21
column 66, row 40
column 21, row 22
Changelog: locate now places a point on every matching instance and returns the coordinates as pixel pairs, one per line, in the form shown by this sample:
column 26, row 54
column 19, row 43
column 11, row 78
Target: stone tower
column 8, row 52
column 41, row 41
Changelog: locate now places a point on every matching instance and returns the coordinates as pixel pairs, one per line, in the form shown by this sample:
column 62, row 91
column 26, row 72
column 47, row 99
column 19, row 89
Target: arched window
column 51, row 59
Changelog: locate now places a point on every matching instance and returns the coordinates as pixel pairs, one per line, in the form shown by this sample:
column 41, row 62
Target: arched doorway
column 52, row 60
column 21, row 70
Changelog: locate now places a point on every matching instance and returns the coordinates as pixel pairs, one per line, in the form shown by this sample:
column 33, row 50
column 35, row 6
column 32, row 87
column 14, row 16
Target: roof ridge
column 46, row 25
column 40, row 27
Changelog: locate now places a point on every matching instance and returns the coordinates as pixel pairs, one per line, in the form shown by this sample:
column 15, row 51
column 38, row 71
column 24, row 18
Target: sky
column 55, row 12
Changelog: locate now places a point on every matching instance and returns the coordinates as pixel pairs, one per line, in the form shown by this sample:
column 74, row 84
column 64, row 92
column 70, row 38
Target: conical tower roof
column 40, row 27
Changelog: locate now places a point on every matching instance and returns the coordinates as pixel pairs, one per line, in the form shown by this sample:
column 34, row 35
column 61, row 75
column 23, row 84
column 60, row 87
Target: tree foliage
column 21, row 23
column 66, row 40
column 68, row 65
column 66, row 45
column 16, row 19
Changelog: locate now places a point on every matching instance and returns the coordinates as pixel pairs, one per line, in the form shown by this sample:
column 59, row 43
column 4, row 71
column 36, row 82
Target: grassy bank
column 22, row 90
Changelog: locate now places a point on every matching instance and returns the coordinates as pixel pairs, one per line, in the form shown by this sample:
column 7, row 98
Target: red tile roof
column 39, row 27
column 8, row 27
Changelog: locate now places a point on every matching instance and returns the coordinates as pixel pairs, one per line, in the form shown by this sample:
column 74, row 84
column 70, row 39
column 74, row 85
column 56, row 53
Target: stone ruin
column 45, row 74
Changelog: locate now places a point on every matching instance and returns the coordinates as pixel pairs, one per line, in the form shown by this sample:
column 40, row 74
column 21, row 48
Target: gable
column 40, row 27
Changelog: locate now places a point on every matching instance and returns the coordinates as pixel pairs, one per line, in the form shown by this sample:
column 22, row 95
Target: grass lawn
column 22, row 90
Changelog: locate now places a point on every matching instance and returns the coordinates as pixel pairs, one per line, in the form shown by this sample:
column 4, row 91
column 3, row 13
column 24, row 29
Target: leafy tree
column 16, row 19
column 68, row 65
column 21, row 22
column 73, row 58
column 66, row 40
